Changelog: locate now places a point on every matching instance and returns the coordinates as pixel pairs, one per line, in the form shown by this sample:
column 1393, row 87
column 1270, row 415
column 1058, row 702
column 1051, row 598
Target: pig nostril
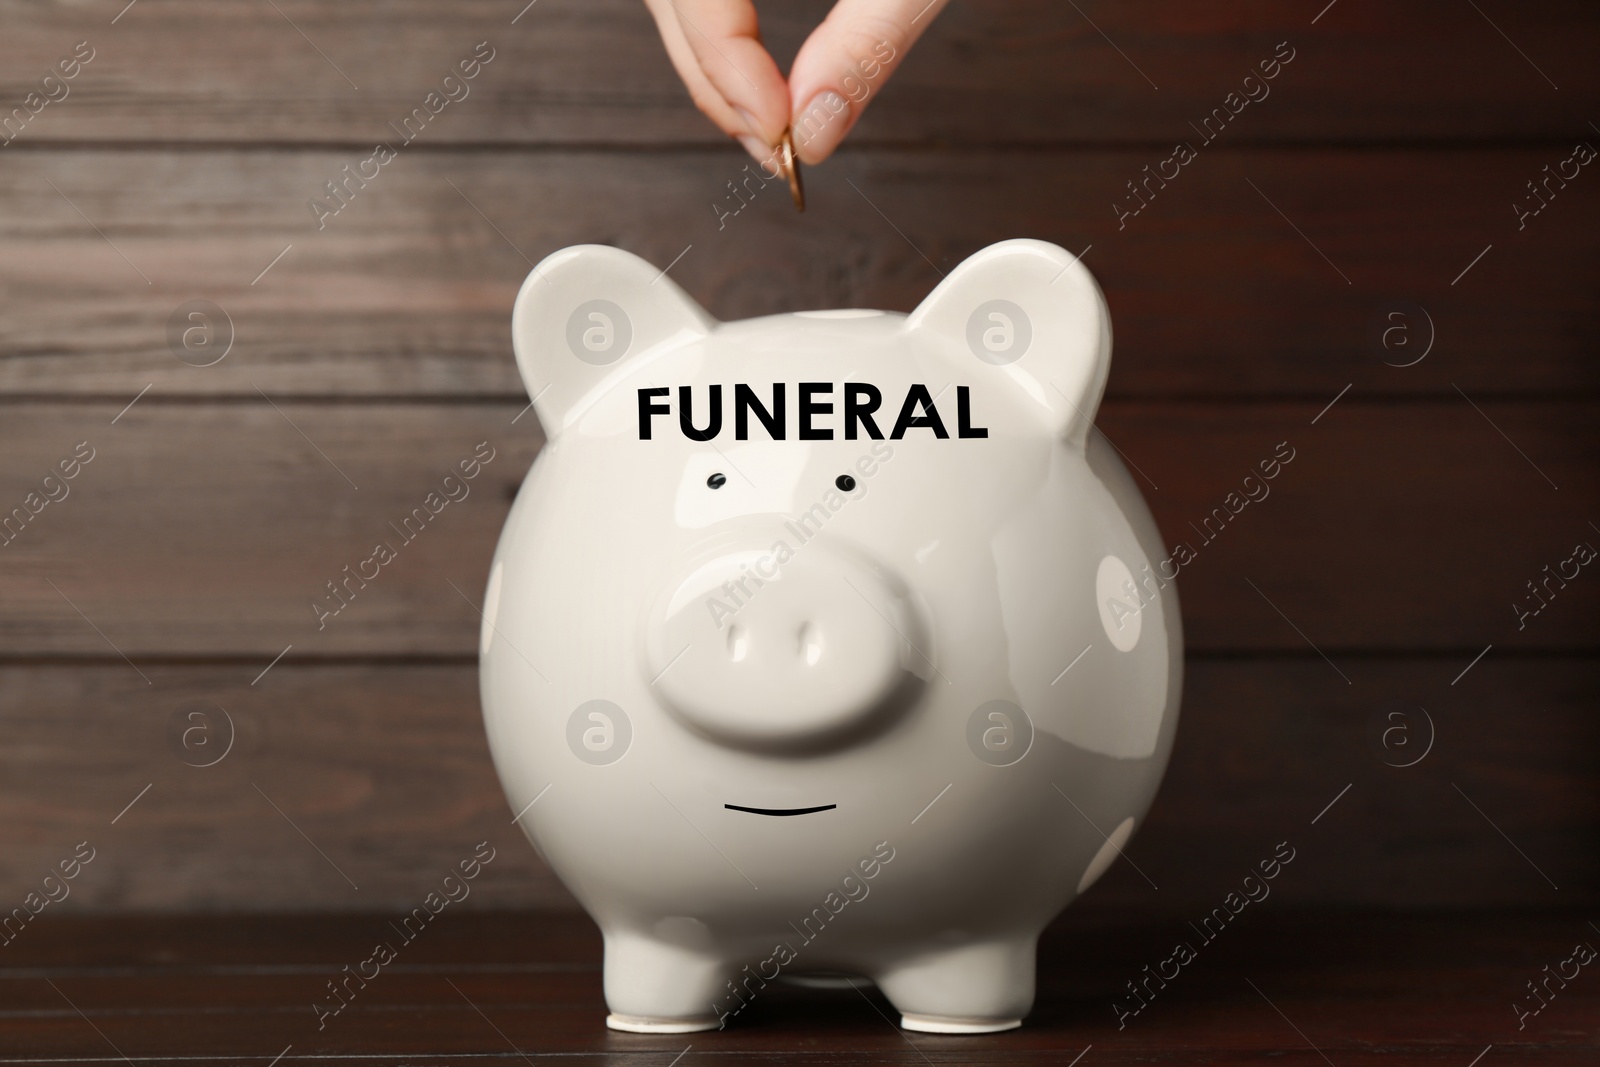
column 738, row 643
column 810, row 644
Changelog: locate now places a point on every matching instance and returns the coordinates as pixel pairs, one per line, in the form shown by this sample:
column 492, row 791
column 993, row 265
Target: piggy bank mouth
column 787, row 655
column 781, row 812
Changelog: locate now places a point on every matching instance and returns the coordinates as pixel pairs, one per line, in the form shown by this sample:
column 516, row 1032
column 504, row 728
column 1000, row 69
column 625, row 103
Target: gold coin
column 790, row 164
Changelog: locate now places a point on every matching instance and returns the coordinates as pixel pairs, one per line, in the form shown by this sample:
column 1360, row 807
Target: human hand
column 716, row 47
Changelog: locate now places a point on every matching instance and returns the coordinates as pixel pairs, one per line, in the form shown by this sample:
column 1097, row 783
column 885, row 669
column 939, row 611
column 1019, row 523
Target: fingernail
column 821, row 125
column 758, row 151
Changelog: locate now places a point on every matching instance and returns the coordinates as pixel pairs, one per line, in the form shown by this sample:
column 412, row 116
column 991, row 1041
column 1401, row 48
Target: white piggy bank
column 826, row 643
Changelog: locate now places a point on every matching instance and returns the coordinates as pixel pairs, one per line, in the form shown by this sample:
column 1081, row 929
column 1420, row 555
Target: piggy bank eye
column 845, row 483
column 717, row 481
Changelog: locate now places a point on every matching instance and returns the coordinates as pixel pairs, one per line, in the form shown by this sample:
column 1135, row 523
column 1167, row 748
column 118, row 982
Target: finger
column 845, row 62
column 684, row 61
column 716, row 47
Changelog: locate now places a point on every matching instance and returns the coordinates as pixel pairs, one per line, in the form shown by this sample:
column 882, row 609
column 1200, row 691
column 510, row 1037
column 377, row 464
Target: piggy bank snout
column 752, row 651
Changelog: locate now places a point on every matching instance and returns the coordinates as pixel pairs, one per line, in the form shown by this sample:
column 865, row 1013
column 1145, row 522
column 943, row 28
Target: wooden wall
column 1249, row 294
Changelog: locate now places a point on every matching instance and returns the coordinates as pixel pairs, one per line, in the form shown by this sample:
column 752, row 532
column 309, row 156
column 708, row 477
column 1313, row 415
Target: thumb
column 845, row 62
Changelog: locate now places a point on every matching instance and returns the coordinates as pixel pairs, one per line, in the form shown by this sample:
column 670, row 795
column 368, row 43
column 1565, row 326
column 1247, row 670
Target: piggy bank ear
column 1031, row 312
column 585, row 314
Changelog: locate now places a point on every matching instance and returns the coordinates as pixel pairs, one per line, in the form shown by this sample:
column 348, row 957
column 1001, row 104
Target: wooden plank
column 407, row 291
column 225, row 523
column 385, row 771
column 210, row 530
column 385, row 768
column 1342, row 988
column 593, row 71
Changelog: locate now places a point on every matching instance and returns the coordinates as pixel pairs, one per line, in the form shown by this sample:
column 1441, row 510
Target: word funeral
column 1254, row 89
column 1582, row 555
column 1582, row 155
column 452, row 890
column 861, row 403
column 452, row 89
column 1582, row 956
column 854, row 888
column 53, row 89
column 1255, row 891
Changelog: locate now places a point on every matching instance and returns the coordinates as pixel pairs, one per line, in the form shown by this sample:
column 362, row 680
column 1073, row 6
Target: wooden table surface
column 1288, row 987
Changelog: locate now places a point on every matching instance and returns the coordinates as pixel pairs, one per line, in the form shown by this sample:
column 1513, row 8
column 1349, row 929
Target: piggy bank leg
column 658, row 988
column 970, row 989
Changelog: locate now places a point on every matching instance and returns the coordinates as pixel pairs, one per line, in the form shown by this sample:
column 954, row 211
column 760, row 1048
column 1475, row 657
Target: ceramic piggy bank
column 835, row 643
